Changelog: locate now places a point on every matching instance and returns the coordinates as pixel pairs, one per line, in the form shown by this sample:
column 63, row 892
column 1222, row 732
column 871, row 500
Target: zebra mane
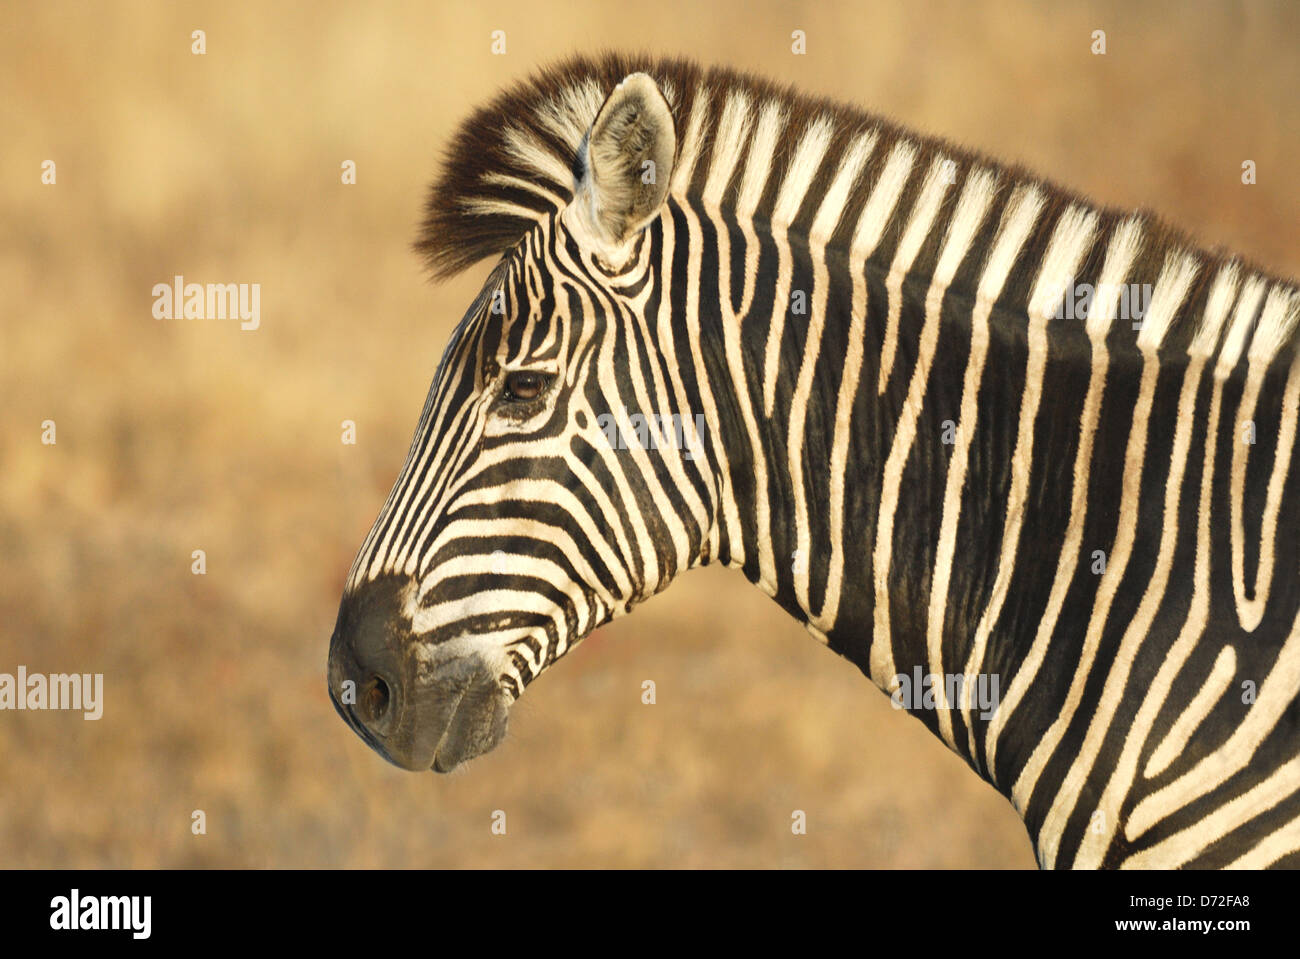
column 512, row 164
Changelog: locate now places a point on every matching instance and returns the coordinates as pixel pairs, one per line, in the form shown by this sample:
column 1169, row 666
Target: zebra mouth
column 475, row 725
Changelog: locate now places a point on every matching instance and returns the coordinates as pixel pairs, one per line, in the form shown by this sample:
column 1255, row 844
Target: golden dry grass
column 176, row 436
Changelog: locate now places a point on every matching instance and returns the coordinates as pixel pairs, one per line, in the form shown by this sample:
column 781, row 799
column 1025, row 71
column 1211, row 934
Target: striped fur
column 925, row 464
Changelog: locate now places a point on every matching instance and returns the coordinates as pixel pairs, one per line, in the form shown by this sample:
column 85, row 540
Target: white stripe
column 841, row 189
column 798, row 178
column 1217, row 307
column 759, row 162
column 879, row 210
column 871, row 224
column 533, row 155
column 728, row 141
column 1171, row 289
column 1213, row 689
column 1242, row 320
column 688, row 153
column 824, row 223
column 918, row 228
column 1278, row 313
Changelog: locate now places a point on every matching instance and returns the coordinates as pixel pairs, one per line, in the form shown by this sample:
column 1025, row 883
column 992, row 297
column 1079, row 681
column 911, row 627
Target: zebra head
column 557, row 475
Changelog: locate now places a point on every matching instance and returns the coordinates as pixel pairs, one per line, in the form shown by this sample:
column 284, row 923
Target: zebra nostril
column 375, row 700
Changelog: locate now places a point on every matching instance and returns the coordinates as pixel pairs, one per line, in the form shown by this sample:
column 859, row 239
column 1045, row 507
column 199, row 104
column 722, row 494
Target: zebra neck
column 816, row 365
column 944, row 484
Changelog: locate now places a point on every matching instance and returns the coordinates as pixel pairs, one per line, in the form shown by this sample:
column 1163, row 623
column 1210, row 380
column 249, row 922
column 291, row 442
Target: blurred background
column 174, row 436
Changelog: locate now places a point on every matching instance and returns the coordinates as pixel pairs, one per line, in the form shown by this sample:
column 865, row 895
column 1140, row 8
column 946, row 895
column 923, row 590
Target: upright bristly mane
column 512, row 163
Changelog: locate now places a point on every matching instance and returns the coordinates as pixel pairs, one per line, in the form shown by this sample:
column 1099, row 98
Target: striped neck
column 912, row 427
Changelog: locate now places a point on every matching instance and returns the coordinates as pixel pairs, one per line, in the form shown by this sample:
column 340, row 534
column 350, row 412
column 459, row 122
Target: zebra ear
column 628, row 155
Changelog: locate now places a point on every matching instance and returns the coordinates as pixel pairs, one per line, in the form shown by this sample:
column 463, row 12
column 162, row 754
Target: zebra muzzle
column 417, row 714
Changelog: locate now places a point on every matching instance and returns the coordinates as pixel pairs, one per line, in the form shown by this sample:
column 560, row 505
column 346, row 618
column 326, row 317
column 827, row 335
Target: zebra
column 972, row 430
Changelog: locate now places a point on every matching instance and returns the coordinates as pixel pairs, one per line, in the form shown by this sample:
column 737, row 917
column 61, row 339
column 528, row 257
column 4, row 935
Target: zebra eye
column 525, row 385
